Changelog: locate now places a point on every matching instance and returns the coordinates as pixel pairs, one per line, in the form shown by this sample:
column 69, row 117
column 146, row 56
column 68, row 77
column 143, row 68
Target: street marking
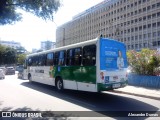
column 81, row 102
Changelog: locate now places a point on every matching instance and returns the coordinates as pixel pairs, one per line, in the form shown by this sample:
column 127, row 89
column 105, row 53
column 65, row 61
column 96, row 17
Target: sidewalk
column 139, row 91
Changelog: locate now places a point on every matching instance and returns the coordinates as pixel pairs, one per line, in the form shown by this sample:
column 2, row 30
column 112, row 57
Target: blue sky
column 32, row 30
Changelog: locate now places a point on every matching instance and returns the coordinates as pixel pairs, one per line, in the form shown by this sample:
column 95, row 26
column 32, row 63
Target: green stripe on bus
column 86, row 74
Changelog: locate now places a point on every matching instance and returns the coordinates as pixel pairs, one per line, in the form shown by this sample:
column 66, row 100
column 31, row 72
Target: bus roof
column 89, row 42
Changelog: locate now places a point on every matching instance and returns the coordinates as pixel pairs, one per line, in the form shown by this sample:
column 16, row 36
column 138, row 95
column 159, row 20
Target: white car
column 2, row 75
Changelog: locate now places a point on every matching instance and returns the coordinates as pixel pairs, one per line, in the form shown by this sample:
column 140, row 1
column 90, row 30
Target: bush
column 145, row 62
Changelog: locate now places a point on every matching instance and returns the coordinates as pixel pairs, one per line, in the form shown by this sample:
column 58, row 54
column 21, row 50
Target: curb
column 135, row 94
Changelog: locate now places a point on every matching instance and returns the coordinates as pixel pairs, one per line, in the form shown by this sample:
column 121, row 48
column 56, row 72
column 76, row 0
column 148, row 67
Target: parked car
column 4, row 69
column 2, row 75
column 10, row 71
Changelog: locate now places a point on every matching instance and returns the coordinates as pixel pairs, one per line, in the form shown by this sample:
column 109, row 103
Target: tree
column 40, row 8
column 145, row 62
column 8, row 55
column 2, row 53
column 21, row 58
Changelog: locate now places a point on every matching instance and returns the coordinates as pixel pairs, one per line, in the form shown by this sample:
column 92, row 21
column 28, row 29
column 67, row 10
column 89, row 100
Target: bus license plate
column 116, row 85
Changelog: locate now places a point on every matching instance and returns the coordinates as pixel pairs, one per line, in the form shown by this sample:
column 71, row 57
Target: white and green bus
column 94, row 65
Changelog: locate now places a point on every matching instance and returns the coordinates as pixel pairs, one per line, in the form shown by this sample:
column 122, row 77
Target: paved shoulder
column 139, row 91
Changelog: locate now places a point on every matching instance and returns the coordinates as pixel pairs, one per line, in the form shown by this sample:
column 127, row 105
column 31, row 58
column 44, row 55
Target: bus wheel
column 59, row 84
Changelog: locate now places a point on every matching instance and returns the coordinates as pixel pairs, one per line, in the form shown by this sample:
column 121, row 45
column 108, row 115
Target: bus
column 94, row 66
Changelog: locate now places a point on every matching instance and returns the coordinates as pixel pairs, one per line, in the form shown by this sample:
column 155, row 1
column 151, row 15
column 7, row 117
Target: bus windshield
column 112, row 55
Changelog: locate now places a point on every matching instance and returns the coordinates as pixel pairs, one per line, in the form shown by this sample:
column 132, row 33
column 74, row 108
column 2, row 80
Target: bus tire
column 30, row 78
column 59, row 84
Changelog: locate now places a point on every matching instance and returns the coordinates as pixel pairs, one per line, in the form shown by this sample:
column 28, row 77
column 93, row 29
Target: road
column 20, row 95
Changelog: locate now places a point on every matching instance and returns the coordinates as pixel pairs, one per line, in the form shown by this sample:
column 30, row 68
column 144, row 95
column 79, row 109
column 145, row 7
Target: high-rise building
column 134, row 22
column 47, row 45
column 11, row 44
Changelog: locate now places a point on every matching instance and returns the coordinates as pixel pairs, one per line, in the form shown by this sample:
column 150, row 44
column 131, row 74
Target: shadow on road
column 102, row 103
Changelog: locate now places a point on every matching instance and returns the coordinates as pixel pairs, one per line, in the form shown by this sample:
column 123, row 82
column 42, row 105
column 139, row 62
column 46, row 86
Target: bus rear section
column 112, row 70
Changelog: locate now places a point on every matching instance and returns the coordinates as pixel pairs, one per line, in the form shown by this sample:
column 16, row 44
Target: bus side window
column 61, row 60
column 78, row 56
column 34, row 61
column 89, row 55
column 56, row 58
column 42, row 60
column 70, row 57
column 29, row 61
column 50, row 59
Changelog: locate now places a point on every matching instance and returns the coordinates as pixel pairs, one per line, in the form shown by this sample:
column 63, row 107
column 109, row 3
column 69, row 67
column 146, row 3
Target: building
column 11, row 44
column 134, row 22
column 47, row 45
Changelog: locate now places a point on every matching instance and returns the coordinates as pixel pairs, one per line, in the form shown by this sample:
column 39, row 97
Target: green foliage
column 144, row 62
column 7, row 55
column 21, row 58
column 40, row 8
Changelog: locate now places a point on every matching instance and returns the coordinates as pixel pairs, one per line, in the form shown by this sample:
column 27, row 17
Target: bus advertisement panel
column 113, row 64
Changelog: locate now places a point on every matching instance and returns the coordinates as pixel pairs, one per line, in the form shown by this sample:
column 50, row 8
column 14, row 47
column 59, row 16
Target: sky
column 32, row 30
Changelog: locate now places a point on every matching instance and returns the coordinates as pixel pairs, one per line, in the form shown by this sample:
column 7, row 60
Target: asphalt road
column 20, row 95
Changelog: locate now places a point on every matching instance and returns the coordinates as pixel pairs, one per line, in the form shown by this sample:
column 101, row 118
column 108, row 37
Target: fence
column 144, row 81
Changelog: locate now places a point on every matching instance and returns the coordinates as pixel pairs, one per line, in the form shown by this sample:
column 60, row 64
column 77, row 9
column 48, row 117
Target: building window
column 158, row 4
column 135, row 12
column 148, row 8
column 158, row 14
column 153, row 6
column 128, row 22
column 153, row 15
column 144, row 27
column 132, row 38
column 149, row 25
column 140, row 19
column 135, row 20
column 132, row 21
column 158, row 24
column 140, row 10
column 132, row 5
column 158, row 33
column 149, row 17
column 132, row 30
column 144, row 9
column 144, row 18
column 128, row 38
column 140, row 36
column 135, row 3
column 154, row 34
column 136, row 28
column 140, row 28
column 154, row 24
column 149, row 35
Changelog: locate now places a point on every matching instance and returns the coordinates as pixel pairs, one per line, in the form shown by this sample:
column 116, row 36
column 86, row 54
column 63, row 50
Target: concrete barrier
column 144, row 81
